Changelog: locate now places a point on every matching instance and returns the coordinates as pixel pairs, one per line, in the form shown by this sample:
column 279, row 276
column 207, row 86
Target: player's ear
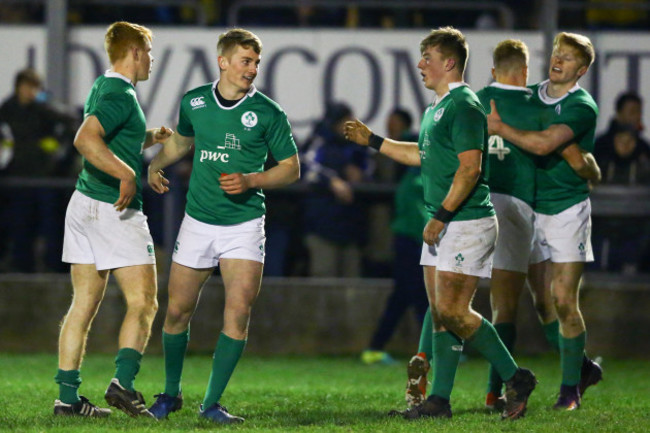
column 451, row 62
column 494, row 74
column 221, row 60
column 582, row 71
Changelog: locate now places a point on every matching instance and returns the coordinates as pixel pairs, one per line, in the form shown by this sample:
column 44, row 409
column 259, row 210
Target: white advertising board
column 373, row 71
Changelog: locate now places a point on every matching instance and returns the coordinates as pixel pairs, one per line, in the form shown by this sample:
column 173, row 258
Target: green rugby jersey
column 455, row 124
column 230, row 140
column 410, row 213
column 558, row 186
column 113, row 101
column 512, row 170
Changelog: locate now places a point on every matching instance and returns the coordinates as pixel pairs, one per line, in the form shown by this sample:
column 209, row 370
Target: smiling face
column 566, row 65
column 432, row 67
column 239, row 68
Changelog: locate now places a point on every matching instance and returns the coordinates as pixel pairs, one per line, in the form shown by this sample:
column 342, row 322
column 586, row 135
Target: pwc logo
column 197, row 102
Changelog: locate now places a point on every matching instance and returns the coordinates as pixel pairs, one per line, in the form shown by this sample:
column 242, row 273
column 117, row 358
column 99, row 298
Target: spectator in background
column 36, row 137
column 408, row 224
column 624, row 158
column 623, row 155
column 334, row 219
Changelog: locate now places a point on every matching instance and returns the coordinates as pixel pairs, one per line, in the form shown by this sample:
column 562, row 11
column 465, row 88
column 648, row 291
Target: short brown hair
column 121, row 35
column 580, row 43
column 509, row 54
column 451, row 43
column 238, row 37
column 29, row 76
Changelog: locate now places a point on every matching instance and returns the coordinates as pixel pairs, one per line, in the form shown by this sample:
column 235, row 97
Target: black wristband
column 443, row 215
column 375, row 141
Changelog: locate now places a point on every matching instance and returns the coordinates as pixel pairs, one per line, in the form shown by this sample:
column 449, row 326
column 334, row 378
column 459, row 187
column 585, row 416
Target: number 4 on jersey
column 496, row 147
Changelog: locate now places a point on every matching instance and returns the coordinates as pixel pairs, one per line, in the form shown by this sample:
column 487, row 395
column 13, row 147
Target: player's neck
column 557, row 90
column 511, row 80
column 229, row 91
column 127, row 69
column 442, row 88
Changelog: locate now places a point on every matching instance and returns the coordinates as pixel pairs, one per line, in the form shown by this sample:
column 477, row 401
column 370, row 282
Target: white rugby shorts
column 567, row 235
column 96, row 233
column 465, row 247
column 517, row 243
column 200, row 245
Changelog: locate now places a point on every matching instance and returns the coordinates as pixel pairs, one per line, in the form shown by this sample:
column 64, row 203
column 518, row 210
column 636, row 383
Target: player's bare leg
column 565, row 288
column 242, row 280
column 139, row 287
column 505, row 292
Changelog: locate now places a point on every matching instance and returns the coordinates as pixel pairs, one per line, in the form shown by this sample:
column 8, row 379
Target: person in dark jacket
column 334, row 219
column 35, row 140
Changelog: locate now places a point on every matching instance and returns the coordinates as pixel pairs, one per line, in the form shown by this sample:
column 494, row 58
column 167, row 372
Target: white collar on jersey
column 452, row 86
column 543, row 96
column 250, row 93
column 111, row 74
column 510, row 87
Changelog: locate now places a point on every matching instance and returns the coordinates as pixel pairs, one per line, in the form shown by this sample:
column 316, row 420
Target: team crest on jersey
column 197, row 102
column 249, row 119
column 558, row 109
column 439, row 114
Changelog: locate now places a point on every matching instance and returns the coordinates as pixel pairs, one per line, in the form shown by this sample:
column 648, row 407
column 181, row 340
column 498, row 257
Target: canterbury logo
column 197, row 102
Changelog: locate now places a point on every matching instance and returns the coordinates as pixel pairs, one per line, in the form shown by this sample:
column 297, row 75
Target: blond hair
column 451, row 43
column 510, row 54
column 121, row 36
column 238, row 37
column 581, row 44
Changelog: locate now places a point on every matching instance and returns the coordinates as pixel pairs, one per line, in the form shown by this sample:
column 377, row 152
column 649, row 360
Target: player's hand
column 128, row 189
column 160, row 135
column 357, row 132
column 431, row 233
column 342, row 190
column 157, row 181
column 235, row 183
column 493, row 119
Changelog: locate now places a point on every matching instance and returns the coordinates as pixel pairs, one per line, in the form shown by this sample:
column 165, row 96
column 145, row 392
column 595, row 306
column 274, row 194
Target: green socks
column 447, row 348
column 174, row 347
column 69, row 382
column 426, row 336
column 486, row 341
column 552, row 334
column 508, row 334
column 127, row 363
column 226, row 356
column 571, row 355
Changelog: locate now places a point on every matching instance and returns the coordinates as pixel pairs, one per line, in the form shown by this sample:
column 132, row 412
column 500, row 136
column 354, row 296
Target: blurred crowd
column 525, row 14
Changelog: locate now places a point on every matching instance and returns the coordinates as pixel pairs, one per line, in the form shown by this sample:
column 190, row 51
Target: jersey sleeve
column 184, row 127
column 468, row 129
column 112, row 110
column 279, row 138
column 579, row 117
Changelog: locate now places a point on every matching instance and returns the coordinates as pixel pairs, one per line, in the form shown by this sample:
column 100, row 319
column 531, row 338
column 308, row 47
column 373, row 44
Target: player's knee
column 566, row 308
column 144, row 304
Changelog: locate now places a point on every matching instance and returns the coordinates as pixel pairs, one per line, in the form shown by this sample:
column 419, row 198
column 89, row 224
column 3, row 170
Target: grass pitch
column 286, row 394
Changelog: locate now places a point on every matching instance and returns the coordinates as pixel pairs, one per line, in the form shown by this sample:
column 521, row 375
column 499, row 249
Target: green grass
column 284, row 394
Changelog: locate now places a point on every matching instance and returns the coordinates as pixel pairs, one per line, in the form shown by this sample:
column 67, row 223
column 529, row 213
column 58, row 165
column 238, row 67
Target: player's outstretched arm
column 401, row 151
column 175, row 146
column 287, row 171
column 536, row 142
column 90, row 143
column 582, row 162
